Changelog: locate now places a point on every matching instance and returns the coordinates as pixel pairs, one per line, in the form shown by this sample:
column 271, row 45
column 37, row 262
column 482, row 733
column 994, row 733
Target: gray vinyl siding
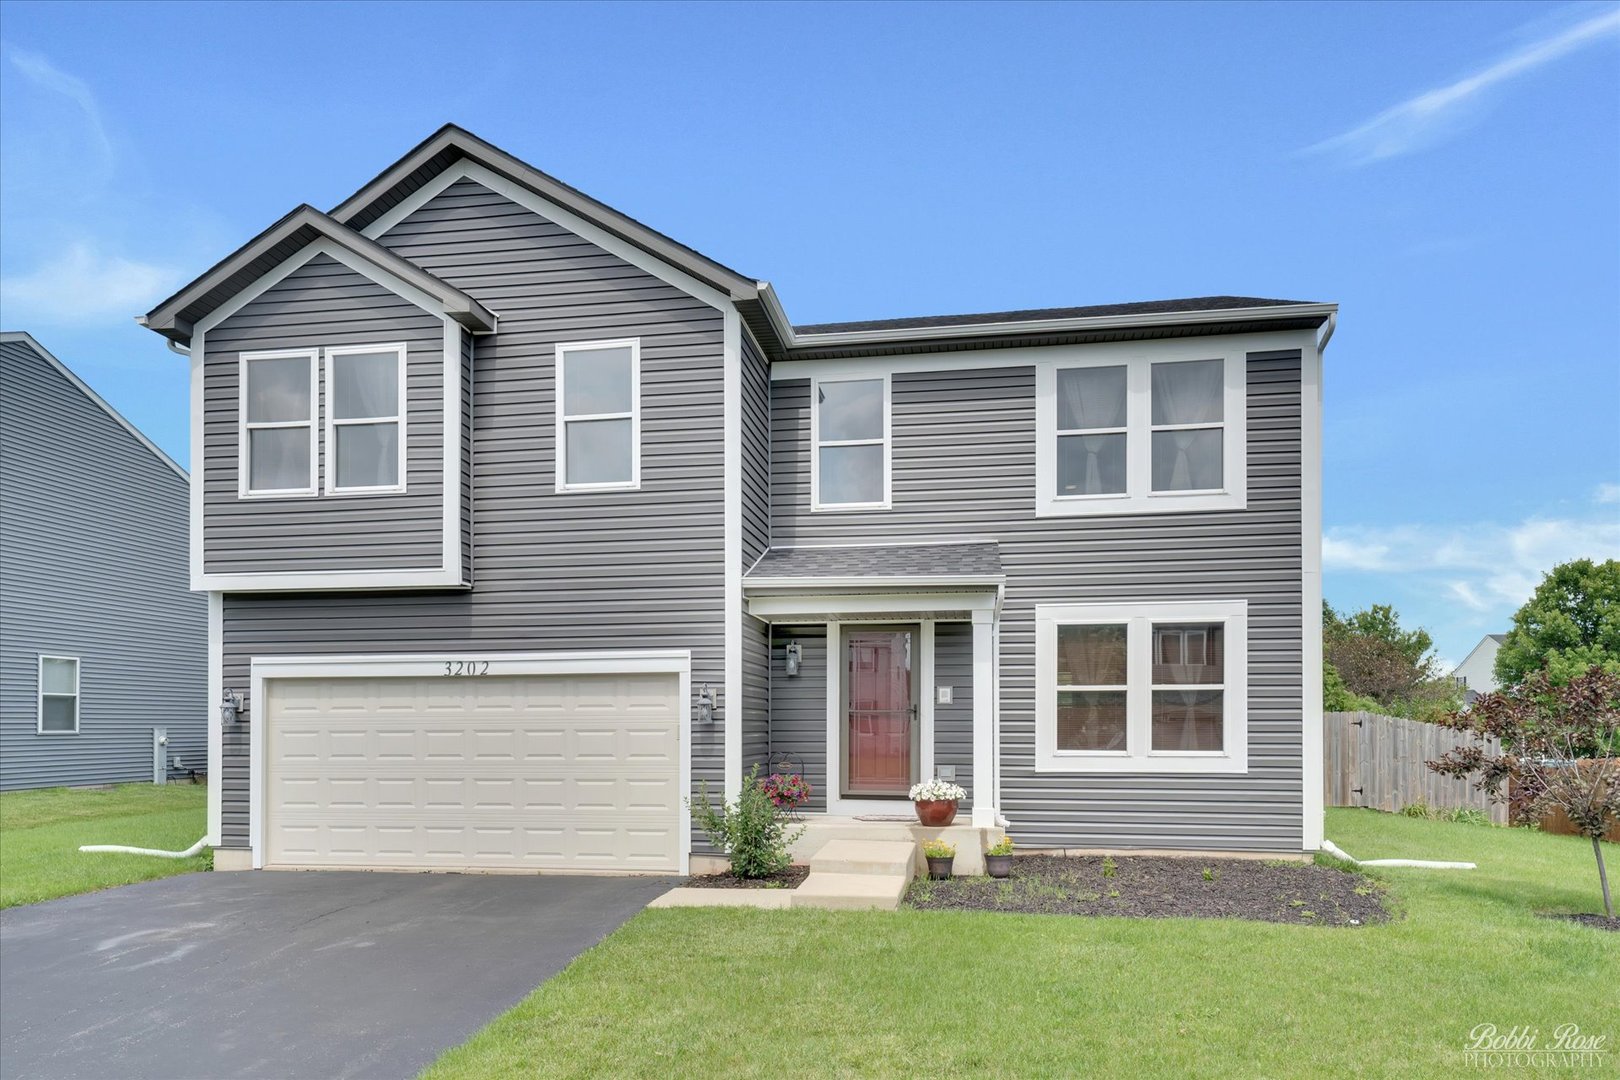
column 324, row 303
column 964, row 464
column 93, row 564
column 756, row 728
column 573, row 571
column 799, row 706
column 756, row 452
column 953, row 723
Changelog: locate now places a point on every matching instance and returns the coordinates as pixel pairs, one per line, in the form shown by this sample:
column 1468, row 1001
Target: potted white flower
column 936, row 801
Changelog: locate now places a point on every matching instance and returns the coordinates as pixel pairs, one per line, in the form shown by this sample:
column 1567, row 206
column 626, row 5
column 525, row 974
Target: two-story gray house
column 103, row 645
column 518, row 520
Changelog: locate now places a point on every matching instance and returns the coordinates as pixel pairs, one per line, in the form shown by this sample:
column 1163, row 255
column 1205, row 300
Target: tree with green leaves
column 1371, row 663
column 1569, row 625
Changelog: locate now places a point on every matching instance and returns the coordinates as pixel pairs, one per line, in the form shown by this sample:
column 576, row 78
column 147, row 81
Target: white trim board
column 1310, row 520
column 731, row 704
column 417, row 665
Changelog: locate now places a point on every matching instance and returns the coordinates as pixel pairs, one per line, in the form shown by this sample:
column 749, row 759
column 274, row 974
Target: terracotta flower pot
column 998, row 865
column 936, row 812
column 939, row 867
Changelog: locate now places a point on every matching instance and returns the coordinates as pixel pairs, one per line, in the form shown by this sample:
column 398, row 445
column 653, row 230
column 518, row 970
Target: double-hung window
column 599, row 415
column 365, row 419
column 1128, row 431
column 1148, row 687
column 277, row 441
column 58, row 695
column 849, row 464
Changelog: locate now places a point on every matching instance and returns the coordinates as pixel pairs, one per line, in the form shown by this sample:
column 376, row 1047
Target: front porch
column 969, row 840
column 877, row 681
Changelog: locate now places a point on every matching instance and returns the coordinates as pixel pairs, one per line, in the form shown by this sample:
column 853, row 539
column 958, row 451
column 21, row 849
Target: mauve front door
column 879, row 711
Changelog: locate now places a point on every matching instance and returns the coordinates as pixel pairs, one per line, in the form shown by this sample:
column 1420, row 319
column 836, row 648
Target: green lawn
column 763, row 993
column 40, row 834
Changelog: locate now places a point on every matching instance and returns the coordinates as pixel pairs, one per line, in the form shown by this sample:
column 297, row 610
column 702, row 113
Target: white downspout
column 194, row 849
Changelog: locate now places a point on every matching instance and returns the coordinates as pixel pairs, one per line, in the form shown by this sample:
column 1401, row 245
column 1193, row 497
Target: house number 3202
column 466, row 667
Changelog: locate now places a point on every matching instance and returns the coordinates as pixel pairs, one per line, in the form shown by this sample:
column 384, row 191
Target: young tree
column 1557, row 744
column 1569, row 624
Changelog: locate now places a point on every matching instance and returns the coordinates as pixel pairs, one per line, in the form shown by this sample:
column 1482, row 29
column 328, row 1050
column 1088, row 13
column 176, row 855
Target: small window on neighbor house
column 850, row 467
column 365, row 419
column 277, row 438
column 58, row 695
column 599, row 415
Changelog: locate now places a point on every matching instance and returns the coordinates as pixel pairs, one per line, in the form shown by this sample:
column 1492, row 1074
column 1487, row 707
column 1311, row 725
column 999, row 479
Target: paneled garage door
column 491, row 772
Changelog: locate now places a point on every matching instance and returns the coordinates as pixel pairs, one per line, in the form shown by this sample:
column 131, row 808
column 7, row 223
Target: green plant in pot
column 998, row 858
column 936, row 801
column 940, row 856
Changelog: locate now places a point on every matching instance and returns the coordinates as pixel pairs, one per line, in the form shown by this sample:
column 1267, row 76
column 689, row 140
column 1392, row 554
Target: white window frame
column 1139, row 497
column 816, row 442
column 333, row 423
column 564, row 419
column 243, row 426
column 1139, row 756
column 41, row 695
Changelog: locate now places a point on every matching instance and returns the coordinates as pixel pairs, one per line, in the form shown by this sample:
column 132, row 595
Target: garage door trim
column 454, row 665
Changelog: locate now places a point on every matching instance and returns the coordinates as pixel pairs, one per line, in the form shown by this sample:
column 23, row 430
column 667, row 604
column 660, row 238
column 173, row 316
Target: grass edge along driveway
column 759, row 993
column 41, row 830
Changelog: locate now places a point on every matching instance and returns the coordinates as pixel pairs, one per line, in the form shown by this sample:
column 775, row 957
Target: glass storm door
column 880, row 711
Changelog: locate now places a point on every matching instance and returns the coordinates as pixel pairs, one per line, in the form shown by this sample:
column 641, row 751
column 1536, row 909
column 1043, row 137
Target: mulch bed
column 1158, row 887
column 1597, row 922
column 787, row 879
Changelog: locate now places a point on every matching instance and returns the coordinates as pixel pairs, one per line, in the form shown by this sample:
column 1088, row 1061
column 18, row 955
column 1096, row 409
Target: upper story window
column 277, row 440
column 58, row 695
column 1148, row 687
column 1141, row 431
column 599, row 415
column 365, row 419
column 849, row 465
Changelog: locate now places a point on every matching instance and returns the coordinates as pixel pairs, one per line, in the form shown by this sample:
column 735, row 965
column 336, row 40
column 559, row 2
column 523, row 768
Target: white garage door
column 492, row 772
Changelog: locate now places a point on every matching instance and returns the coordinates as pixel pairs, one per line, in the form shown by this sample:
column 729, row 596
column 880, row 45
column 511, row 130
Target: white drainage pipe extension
column 194, row 849
column 1425, row 864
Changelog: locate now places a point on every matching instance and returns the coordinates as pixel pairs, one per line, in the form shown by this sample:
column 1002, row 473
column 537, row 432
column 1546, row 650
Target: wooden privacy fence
column 1377, row 761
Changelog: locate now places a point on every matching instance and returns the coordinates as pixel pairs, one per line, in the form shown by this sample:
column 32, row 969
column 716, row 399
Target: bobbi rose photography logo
column 1489, row 1046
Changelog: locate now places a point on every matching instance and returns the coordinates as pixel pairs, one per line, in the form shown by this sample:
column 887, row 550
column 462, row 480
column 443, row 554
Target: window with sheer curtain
column 1140, row 431
column 277, row 410
column 1150, row 687
column 365, row 418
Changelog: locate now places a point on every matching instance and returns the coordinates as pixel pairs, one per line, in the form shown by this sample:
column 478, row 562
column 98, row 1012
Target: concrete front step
column 851, row 891
column 889, row 857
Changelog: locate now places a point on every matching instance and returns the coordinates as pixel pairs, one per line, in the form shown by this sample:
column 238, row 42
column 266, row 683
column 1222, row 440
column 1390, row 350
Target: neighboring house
column 1477, row 673
column 514, row 514
column 101, row 639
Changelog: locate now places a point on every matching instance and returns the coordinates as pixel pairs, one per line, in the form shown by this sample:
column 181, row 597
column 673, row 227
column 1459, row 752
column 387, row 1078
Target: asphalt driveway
column 285, row 975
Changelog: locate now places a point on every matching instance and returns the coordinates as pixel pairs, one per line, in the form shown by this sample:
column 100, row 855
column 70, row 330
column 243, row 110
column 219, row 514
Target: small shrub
column 1004, row 846
column 1110, row 867
column 752, row 830
column 1420, row 809
column 939, row 849
column 1467, row 815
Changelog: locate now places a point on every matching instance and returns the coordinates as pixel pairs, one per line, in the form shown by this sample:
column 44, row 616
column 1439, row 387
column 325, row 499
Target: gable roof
column 175, row 317
column 452, row 143
column 22, row 337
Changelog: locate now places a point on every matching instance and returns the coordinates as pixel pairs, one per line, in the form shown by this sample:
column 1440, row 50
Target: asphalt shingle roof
column 888, row 561
column 1145, row 307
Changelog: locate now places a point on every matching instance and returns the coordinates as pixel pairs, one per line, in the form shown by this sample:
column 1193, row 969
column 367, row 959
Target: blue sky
column 1449, row 173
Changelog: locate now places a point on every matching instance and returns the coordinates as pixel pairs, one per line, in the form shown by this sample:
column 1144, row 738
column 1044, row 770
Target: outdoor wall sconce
column 795, row 656
column 230, row 707
column 705, row 705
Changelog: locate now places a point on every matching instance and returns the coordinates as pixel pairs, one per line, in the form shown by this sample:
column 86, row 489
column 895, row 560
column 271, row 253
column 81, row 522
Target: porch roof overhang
column 951, row 579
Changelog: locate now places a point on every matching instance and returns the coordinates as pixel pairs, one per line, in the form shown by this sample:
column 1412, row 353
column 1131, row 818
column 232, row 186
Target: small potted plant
column 998, row 858
column 788, row 791
column 936, row 801
column 940, row 856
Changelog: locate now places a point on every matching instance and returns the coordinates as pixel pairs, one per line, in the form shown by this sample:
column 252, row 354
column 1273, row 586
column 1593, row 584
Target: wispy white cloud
column 81, row 285
column 1418, row 121
column 42, row 73
column 1484, row 567
column 1606, row 493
